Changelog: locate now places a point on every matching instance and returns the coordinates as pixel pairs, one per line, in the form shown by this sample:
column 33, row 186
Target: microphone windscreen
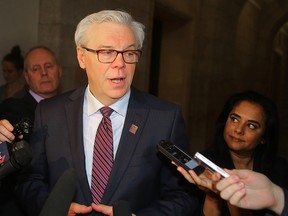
column 60, row 198
column 122, row 208
column 19, row 158
column 22, row 154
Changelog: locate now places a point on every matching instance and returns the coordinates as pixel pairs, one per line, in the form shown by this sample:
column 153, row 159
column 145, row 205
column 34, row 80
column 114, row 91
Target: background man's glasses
column 109, row 55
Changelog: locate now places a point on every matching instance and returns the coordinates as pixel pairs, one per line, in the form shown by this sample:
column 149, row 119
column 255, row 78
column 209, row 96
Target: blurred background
column 196, row 52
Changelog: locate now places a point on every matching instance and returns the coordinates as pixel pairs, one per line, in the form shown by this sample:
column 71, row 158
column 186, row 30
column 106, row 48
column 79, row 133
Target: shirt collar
column 120, row 106
column 37, row 97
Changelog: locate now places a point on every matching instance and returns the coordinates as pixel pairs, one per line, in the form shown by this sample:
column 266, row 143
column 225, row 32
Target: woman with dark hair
column 246, row 138
column 265, row 147
column 12, row 67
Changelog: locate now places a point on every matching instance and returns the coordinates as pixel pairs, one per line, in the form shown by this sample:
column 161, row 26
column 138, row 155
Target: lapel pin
column 133, row 129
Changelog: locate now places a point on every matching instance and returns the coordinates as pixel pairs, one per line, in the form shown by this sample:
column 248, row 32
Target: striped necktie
column 102, row 156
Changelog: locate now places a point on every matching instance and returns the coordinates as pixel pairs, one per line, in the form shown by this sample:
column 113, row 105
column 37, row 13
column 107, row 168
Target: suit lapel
column 31, row 102
column 133, row 126
column 74, row 112
column 134, row 123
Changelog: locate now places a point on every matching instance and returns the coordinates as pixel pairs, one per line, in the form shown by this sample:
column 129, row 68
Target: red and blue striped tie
column 102, row 156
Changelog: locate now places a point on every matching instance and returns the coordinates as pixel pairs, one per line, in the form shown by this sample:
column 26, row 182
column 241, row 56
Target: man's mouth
column 46, row 81
column 118, row 80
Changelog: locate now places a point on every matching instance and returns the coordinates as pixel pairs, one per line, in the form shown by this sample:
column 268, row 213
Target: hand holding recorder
column 197, row 170
column 183, row 159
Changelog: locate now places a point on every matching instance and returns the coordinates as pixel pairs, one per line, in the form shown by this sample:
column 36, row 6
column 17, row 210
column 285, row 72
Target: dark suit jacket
column 140, row 175
column 14, row 109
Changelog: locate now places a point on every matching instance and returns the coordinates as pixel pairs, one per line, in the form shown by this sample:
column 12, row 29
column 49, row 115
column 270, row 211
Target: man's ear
column 80, row 56
column 26, row 77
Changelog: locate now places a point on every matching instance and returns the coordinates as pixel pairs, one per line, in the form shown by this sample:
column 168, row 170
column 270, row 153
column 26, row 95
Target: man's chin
column 118, row 93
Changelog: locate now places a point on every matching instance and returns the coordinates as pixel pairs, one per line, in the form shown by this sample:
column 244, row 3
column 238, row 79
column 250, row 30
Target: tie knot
column 106, row 111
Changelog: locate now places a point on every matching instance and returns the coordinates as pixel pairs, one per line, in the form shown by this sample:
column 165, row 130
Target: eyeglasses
column 109, row 55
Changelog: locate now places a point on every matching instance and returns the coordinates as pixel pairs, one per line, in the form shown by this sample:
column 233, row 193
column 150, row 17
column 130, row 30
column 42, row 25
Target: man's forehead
column 40, row 57
column 109, row 33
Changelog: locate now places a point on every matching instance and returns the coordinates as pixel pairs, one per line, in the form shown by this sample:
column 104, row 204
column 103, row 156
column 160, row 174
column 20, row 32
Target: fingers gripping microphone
column 121, row 208
column 60, row 198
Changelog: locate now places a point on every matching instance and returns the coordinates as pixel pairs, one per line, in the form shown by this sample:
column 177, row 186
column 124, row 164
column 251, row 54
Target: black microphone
column 60, row 198
column 23, row 127
column 16, row 155
column 122, row 208
column 20, row 157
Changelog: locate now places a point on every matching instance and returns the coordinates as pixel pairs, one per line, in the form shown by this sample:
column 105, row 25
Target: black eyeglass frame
column 137, row 52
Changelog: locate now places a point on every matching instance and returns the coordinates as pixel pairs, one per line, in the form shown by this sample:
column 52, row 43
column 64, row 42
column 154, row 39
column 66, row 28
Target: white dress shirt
column 92, row 118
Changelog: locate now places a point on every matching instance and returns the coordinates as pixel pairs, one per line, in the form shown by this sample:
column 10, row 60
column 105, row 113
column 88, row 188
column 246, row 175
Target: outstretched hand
column 205, row 180
column 243, row 188
column 251, row 190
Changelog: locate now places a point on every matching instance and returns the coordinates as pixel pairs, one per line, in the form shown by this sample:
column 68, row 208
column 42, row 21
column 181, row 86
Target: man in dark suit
column 42, row 74
column 108, row 48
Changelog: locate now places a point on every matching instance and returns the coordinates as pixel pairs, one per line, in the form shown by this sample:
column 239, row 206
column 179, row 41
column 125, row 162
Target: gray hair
column 109, row 16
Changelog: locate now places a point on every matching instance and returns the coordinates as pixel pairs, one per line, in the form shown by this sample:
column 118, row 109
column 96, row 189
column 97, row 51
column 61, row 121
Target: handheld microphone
column 20, row 157
column 59, row 200
column 23, row 127
column 16, row 155
column 122, row 208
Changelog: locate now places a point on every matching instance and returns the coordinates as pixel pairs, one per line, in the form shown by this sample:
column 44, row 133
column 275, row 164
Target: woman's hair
column 15, row 57
column 113, row 16
column 271, row 138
